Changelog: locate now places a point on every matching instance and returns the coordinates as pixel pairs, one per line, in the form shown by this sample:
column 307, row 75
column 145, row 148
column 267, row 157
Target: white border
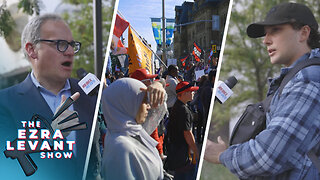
column 214, row 89
column 100, row 91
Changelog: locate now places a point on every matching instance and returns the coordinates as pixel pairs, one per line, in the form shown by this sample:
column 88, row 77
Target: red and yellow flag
column 119, row 27
column 139, row 54
column 197, row 51
column 184, row 61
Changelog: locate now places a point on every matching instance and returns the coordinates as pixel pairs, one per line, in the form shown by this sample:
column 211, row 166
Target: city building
column 201, row 21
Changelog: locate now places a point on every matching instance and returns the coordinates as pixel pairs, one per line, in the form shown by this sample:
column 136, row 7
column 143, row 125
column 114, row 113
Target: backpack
column 253, row 119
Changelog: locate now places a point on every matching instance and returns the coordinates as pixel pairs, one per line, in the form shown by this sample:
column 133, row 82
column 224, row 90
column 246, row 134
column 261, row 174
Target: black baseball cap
column 282, row 14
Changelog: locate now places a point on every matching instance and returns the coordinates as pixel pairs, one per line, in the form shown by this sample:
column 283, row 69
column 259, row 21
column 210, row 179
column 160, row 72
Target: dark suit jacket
column 21, row 102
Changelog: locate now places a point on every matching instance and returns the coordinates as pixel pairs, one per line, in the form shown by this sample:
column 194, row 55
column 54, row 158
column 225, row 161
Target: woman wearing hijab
column 129, row 151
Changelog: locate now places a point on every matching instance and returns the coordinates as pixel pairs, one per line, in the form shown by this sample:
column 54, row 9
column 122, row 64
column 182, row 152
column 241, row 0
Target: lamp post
column 164, row 59
column 97, row 26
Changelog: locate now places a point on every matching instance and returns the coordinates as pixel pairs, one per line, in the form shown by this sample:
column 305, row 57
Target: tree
column 81, row 25
column 7, row 23
column 247, row 59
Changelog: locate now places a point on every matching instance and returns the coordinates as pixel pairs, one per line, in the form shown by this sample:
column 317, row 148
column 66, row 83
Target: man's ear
column 305, row 33
column 30, row 48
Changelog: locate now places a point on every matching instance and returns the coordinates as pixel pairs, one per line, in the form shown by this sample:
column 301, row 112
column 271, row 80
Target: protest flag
column 119, row 27
column 210, row 56
column 197, row 51
column 184, row 61
column 139, row 54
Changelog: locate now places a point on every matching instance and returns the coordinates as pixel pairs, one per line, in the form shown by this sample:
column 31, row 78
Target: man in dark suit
column 48, row 44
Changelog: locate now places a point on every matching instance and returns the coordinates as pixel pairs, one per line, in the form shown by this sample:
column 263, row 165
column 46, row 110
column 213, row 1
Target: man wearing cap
column 181, row 139
column 293, row 120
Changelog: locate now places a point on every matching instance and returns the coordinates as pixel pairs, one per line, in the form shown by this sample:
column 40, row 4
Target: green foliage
column 215, row 172
column 29, row 6
column 246, row 59
column 6, row 22
column 81, row 25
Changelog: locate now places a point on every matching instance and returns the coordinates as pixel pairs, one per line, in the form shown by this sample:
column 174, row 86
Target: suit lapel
column 30, row 101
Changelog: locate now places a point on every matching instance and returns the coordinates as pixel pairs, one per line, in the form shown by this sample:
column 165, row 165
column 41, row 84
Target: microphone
column 89, row 83
column 224, row 89
column 81, row 73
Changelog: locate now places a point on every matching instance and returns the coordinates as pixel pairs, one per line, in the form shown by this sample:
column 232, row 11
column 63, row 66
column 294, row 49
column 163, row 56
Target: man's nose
column 69, row 51
column 266, row 39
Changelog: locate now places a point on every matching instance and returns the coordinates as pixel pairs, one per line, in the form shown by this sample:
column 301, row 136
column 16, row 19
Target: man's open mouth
column 67, row 64
column 271, row 51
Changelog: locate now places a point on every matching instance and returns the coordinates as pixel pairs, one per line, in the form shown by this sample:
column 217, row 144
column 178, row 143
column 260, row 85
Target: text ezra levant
column 34, row 138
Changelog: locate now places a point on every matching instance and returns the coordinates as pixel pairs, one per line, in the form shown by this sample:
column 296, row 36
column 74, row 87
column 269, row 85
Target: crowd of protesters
column 178, row 125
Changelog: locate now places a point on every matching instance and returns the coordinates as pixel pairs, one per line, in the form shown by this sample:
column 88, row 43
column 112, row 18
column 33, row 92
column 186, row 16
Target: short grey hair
column 31, row 32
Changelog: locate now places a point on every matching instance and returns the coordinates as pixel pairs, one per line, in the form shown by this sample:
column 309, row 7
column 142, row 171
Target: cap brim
column 193, row 88
column 149, row 76
column 256, row 30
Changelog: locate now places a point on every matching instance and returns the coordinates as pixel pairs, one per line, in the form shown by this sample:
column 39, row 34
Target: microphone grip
column 27, row 164
column 81, row 73
column 231, row 82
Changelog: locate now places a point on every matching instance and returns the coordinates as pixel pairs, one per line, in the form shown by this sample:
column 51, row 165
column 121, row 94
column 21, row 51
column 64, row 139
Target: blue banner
column 156, row 28
column 169, row 30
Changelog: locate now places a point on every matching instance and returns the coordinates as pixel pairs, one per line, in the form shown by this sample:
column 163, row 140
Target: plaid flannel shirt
column 293, row 128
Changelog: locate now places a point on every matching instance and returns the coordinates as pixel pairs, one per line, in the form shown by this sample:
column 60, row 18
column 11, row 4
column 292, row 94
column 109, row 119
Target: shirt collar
column 285, row 70
column 38, row 85
column 275, row 83
column 314, row 53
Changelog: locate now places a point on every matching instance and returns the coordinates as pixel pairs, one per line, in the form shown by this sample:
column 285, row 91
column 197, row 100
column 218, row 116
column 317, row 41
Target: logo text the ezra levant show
column 47, row 139
column 49, row 143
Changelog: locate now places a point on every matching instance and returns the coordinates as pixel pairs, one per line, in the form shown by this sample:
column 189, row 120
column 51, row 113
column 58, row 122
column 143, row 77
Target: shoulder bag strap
column 295, row 69
column 314, row 61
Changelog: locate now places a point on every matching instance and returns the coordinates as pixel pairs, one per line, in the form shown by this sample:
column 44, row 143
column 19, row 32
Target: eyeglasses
column 62, row 45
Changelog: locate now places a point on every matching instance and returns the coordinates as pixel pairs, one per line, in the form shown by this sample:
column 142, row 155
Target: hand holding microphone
column 67, row 120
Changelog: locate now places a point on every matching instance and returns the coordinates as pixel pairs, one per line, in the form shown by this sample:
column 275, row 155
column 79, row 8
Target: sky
column 139, row 12
column 49, row 6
